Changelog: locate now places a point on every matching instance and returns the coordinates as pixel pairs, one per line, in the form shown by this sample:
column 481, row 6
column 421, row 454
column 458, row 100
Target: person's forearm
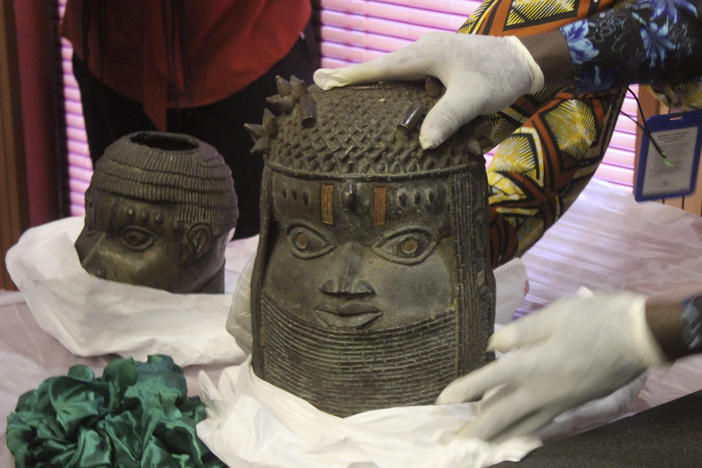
column 551, row 53
column 677, row 327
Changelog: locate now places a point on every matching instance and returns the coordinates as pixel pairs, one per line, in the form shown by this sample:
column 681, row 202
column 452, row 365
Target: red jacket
column 182, row 53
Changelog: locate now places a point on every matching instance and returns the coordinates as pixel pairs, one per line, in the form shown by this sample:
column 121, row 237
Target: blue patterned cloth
column 644, row 41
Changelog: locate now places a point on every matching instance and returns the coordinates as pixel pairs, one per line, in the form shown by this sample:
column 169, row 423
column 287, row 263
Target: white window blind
column 351, row 31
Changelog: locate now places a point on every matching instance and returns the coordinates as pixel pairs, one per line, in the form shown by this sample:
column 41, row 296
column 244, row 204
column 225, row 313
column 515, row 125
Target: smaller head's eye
column 410, row 246
column 136, row 238
column 307, row 243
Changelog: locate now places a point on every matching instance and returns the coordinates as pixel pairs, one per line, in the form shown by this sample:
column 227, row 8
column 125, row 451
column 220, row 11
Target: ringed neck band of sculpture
column 372, row 285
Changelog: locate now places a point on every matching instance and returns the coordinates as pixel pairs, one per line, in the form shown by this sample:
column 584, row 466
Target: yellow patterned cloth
column 550, row 143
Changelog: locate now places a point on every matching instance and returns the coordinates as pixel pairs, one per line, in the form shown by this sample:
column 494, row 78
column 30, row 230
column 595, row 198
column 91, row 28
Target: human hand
column 239, row 318
column 482, row 75
column 575, row 350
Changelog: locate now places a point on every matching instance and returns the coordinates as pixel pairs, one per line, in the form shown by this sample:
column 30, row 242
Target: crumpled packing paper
column 92, row 316
column 252, row 423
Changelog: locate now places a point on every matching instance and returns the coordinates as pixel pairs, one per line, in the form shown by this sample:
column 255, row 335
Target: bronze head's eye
column 301, row 241
column 307, row 243
column 409, row 246
column 136, row 238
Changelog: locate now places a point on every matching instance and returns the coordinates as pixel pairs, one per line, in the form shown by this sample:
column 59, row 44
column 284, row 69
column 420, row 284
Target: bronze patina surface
column 159, row 211
column 372, row 285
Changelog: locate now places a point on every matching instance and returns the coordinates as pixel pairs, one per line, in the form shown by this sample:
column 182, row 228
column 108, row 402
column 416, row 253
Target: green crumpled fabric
column 136, row 415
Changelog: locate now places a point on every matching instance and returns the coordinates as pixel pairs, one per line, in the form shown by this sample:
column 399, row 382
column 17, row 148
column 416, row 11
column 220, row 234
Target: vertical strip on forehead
column 327, row 205
column 380, row 203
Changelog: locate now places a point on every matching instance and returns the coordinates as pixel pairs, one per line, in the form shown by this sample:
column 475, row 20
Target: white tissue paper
column 252, row 423
column 92, row 316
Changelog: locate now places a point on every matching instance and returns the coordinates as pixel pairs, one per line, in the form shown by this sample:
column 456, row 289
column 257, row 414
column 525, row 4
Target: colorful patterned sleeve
column 643, row 41
column 550, row 143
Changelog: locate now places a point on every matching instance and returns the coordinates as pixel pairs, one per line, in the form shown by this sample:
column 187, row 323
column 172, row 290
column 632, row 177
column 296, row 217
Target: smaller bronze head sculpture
column 159, row 211
column 372, row 285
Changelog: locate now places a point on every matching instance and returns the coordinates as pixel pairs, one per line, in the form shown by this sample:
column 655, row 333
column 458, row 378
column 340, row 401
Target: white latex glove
column 239, row 319
column 575, row 350
column 481, row 74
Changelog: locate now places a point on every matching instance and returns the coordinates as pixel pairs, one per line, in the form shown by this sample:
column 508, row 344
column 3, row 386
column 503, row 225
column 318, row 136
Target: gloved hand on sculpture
column 573, row 351
column 482, row 75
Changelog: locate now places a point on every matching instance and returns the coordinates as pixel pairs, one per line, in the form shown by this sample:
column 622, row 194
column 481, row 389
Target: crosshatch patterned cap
column 368, row 131
column 160, row 167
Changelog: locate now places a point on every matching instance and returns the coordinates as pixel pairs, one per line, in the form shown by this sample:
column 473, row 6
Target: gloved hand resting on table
column 482, row 75
column 575, row 350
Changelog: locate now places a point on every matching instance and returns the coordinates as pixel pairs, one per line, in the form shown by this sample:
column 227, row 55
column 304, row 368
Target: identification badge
column 673, row 173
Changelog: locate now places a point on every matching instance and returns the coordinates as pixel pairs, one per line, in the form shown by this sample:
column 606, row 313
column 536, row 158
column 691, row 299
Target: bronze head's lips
column 354, row 315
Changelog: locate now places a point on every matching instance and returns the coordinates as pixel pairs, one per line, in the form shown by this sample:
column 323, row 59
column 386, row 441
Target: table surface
column 667, row 435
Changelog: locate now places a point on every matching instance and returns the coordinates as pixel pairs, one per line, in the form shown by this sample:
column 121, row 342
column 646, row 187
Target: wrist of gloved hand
column 536, row 75
column 643, row 340
column 573, row 351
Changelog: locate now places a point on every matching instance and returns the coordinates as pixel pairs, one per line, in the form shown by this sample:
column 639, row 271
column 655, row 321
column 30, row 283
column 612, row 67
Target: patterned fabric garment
column 669, row 46
column 551, row 143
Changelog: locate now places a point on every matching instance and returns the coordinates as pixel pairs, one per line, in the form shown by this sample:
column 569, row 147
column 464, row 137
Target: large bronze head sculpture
column 159, row 211
column 372, row 285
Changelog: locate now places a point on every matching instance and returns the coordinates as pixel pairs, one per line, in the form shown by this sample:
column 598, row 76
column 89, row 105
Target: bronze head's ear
column 197, row 242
